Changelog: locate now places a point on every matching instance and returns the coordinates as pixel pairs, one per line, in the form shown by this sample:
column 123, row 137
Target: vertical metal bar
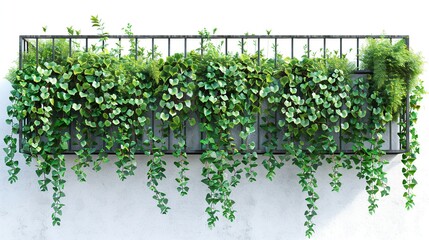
column 185, row 42
column 153, row 48
column 136, row 48
column 202, row 46
column 53, row 49
column 102, row 44
column 308, row 47
column 70, row 47
column 169, row 45
column 407, row 110
column 276, row 119
column 69, row 144
column 20, row 52
column 242, row 45
column 20, row 137
column 341, row 121
column 259, row 51
column 324, row 47
column 241, row 140
column 120, row 47
column 152, row 124
column 401, row 119
column 357, row 53
column 226, row 46
column 407, row 126
column 275, row 52
column 390, row 135
column 86, row 44
column 291, row 47
column 202, row 121
column 185, row 137
column 37, row 51
column 169, row 148
column 20, row 67
column 258, row 123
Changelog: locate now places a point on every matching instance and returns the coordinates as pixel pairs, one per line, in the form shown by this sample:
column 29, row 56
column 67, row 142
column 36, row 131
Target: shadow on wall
column 265, row 209
column 350, row 203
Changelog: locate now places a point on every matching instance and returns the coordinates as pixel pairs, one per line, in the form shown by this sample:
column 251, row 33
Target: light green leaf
column 164, row 116
column 174, row 81
column 99, row 100
column 179, row 95
column 192, row 121
column 76, row 107
column 179, row 106
column 188, row 103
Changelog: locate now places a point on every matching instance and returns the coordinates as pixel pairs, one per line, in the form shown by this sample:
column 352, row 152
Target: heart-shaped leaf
column 174, row 81
column 164, row 116
column 76, row 107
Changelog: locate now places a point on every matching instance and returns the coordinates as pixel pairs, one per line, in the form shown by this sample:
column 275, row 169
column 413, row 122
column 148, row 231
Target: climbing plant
column 104, row 99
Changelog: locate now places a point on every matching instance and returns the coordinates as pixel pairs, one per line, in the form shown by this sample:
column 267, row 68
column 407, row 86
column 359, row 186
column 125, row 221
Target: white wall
column 106, row 208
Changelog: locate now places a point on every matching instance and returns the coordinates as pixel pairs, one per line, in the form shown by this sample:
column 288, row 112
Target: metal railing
column 286, row 45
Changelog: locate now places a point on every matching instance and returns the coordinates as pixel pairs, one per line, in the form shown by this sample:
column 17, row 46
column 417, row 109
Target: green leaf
column 207, row 112
column 96, row 84
column 213, row 154
column 312, row 118
column 334, row 119
column 192, row 121
column 305, row 122
column 166, row 97
column 164, row 116
column 67, row 76
column 174, row 81
column 188, row 103
column 179, row 106
column 99, row 100
column 76, row 107
column 342, row 113
column 173, row 91
column 179, row 95
column 337, row 129
column 176, row 120
column 64, row 86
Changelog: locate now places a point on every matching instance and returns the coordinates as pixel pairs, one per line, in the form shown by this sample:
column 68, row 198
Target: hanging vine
column 103, row 100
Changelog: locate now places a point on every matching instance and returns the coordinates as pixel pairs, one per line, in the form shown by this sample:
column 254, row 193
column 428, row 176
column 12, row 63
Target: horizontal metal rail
column 246, row 36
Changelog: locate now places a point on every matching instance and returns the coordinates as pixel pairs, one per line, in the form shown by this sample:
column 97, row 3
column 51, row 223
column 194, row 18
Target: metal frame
column 24, row 41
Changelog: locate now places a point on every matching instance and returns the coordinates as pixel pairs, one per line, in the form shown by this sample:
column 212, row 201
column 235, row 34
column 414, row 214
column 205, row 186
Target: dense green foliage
column 396, row 70
column 306, row 102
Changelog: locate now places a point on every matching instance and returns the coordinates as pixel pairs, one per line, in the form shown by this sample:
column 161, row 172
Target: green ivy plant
column 123, row 102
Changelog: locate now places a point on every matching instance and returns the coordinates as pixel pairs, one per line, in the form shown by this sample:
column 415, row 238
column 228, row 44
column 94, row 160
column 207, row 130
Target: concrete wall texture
column 106, row 208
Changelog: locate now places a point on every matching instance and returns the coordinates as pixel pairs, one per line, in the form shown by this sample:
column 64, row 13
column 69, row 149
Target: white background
column 105, row 208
